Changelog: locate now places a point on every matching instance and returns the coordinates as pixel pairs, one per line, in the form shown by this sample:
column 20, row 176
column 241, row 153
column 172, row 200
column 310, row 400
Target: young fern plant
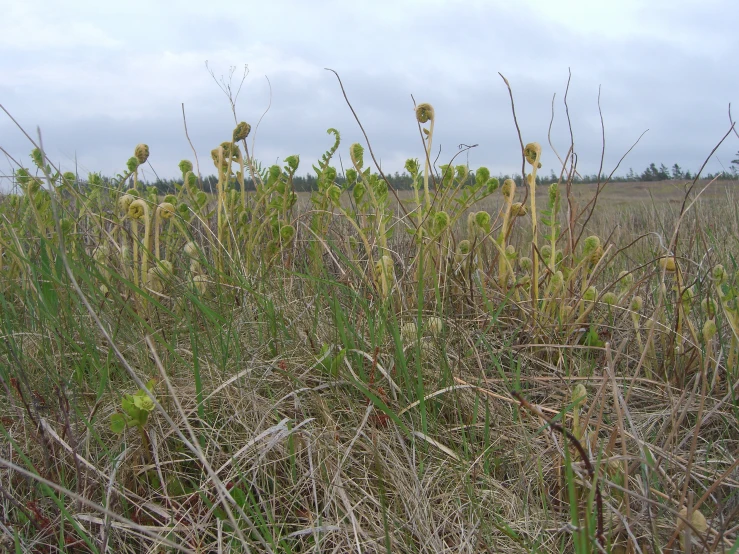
column 508, row 190
column 425, row 114
column 369, row 218
column 163, row 269
column 280, row 206
column 728, row 295
column 191, row 202
column 140, row 156
column 549, row 250
column 322, row 205
column 377, row 193
column 221, row 160
column 532, row 153
column 479, row 225
column 427, row 222
column 417, row 182
column 139, row 209
column 459, row 193
column 549, row 219
column 240, row 133
column 269, row 223
column 135, row 410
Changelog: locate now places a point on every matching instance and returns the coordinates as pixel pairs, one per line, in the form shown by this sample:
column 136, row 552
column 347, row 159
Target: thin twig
column 518, row 129
column 592, row 202
column 603, row 138
column 549, row 133
column 731, row 120
column 259, row 122
column 369, row 146
column 194, row 152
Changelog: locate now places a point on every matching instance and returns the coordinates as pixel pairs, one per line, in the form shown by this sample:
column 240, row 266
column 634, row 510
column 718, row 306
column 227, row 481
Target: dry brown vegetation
column 347, row 373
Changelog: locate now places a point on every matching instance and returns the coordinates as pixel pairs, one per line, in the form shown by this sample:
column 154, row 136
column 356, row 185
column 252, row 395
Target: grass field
column 463, row 371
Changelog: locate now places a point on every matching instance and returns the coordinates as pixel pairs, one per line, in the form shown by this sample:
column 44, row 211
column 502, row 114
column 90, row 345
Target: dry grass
column 329, row 472
column 295, row 412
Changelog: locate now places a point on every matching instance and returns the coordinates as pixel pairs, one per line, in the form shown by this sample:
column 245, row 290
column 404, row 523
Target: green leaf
column 239, row 496
column 117, row 423
column 128, row 406
column 141, row 420
column 293, row 162
column 592, row 338
column 142, row 401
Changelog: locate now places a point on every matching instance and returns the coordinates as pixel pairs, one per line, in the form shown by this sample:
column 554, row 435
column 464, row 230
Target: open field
column 643, row 192
column 626, row 193
column 474, row 372
column 657, row 191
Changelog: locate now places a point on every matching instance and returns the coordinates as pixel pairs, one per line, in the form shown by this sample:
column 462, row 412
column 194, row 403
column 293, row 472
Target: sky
column 100, row 77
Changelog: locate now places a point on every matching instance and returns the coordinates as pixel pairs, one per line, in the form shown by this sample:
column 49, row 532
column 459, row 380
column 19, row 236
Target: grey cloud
column 676, row 84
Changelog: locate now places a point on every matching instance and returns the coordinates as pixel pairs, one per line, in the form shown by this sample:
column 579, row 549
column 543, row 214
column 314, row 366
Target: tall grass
column 460, row 370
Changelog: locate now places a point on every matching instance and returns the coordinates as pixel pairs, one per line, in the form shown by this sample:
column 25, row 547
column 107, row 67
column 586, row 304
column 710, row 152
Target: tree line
column 403, row 181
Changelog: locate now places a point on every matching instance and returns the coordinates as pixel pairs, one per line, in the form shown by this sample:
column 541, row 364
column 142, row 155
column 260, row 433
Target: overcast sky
column 100, row 77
